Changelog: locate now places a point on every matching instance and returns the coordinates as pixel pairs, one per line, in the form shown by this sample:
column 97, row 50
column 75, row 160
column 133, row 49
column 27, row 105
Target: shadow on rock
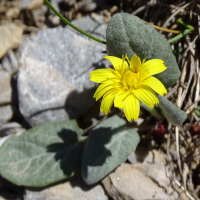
column 77, row 104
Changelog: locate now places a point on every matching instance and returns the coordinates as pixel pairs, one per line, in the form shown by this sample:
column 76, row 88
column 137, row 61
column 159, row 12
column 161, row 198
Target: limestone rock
column 5, row 87
column 6, row 113
column 130, row 182
column 73, row 190
column 53, row 82
column 10, row 37
column 146, row 178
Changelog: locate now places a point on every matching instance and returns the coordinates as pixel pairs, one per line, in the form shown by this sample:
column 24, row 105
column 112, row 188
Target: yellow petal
column 131, row 107
column 107, row 101
column 102, row 89
column 151, row 67
column 135, row 64
column 117, row 63
column 146, row 95
column 101, row 75
column 119, row 99
column 155, row 84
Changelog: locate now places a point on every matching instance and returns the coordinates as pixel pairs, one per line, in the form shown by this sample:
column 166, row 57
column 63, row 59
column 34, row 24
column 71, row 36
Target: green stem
column 70, row 24
column 186, row 25
column 153, row 111
column 83, row 138
column 179, row 36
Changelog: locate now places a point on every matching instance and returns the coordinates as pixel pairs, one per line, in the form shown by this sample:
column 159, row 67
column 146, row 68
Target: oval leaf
column 42, row 155
column 173, row 114
column 108, row 145
column 128, row 34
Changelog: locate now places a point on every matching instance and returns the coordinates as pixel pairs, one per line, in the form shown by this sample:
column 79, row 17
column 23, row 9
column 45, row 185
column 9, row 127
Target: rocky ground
column 44, row 76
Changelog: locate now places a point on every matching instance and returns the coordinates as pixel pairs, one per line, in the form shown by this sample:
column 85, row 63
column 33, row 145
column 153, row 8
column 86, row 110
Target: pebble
column 5, row 88
column 10, row 37
column 6, row 113
column 10, row 62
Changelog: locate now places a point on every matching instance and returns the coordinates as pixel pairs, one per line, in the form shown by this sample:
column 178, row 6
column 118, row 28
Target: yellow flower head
column 129, row 83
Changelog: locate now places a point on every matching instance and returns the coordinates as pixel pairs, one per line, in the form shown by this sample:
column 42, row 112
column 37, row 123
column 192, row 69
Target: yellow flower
column 129, row 83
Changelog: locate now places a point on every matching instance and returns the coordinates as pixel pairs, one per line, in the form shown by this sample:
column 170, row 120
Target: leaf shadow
column 68, row 152
column 96, row 152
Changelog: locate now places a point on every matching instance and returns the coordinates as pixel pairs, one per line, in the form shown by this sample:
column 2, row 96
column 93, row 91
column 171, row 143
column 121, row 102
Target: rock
column 55, row 20
column 92, row 27
column 87, row 5
column 53, row 82
column 5, row 88
column 147, row 179
column 13, row 13
column 10, row 129
column 10, row 37
column 55, row 4
column 10, row 62
column 142, row 155
column 73, row 190
column 31, row 4
column 6, row 113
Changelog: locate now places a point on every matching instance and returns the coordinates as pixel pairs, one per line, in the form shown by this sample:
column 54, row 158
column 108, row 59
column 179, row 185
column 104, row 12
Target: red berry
column 195, row 129
column 160, row 130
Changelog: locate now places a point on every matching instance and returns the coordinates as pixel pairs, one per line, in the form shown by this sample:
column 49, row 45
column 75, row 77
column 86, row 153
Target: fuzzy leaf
column 128, row 34
column 108, row 145
column 42, row 155
column 173, row 114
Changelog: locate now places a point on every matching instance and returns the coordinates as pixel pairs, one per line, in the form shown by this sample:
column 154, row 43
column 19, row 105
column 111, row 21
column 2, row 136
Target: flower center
column 130, row 80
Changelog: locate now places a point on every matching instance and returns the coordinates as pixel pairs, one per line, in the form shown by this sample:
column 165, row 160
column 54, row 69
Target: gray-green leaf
column 42, row 155
column 128, row 34
column 108, row 145
column 173, row 114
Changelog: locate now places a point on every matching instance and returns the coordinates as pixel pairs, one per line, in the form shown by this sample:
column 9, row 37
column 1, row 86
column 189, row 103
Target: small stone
column 5, row 88
column 53, row 82
column 10, row 37
column 89, row 7
column 32, row 4
column 13, row 13
column 10, row 129
column 55, row 4
column 10, row 62
column 72, row 190
column 6, row 113
column 97, row 17
column 55, row 20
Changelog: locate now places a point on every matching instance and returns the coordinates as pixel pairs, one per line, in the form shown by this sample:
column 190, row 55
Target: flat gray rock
column 53, row 82
column 73, row 190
